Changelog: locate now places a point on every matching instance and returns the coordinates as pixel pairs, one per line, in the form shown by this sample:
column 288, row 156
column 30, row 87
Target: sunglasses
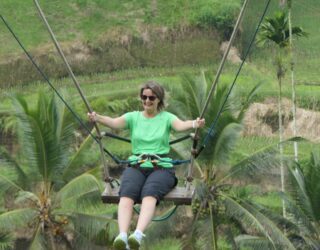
column 151, row 97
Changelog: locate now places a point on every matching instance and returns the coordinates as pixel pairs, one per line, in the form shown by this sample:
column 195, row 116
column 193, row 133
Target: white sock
column 123, row 235
column 139, row 234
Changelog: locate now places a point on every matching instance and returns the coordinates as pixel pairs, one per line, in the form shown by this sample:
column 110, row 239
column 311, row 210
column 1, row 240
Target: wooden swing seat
column 178, row 195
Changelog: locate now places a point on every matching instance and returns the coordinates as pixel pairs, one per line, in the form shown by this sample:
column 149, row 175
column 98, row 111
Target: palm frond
column 25, row 197
column 6, row 241
column 8, row 182
column 89, row 203
column 77, row 164
column 226, row 142
column 202, row 88
column 27, row 136
column 297, row 189
column 196, row 239
column 253, row 242
column 88, row 227
column 176, row 105
column 248, row 100
column 192, row 95
column 262, row 161
column 7, row 157
column 312, row 176
column 308, row 242
column 219, row 103
column 57, row 132
column 18, row 218
column 299, row 218
column 77, row 187
column 38, row 241
column 63, row 131
column 44, row 135
column 251, row 217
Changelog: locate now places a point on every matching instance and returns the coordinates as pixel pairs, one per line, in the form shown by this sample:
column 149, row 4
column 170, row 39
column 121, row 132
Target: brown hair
column 157, row 89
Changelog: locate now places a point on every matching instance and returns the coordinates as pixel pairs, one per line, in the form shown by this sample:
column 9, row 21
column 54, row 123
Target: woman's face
column 149, row 101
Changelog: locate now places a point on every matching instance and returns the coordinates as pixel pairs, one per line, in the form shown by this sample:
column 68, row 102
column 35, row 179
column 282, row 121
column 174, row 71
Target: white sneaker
column 135, row 239
column 121, row 242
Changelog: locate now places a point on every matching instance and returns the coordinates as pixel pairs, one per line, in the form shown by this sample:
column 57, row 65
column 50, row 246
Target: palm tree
column 275, row 30
column 302, row 200
column 188, row 102
column 52, row 198
column 293, row 87
column 218, row 202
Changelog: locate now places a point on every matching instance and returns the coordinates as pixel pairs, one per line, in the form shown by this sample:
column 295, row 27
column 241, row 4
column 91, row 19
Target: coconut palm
column 218, row 202
column 188, row 102
column 288, row 4
column 293, row 86
column 275, row 30
column 52, row 198
column 302, row 199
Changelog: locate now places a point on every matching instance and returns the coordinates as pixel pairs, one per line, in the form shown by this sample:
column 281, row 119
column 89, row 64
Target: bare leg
column 148, row 208
column 125, row 208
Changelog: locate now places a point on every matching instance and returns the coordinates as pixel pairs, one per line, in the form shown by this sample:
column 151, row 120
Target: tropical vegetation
column 48, row 191
column 276, row 30
column 50, row 173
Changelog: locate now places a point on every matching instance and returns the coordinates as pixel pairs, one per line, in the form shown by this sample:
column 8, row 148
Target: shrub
column 217, row 14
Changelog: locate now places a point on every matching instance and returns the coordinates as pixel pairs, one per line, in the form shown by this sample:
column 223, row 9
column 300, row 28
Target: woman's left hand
column 198, row 123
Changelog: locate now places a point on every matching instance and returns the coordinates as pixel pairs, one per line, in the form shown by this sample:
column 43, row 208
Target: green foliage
column 49, row 191
column 189, row 101
column 217, row 200
column 168, row 243
column 6, row 241
column 302, row 200
column 276, row 30
column 218, row 14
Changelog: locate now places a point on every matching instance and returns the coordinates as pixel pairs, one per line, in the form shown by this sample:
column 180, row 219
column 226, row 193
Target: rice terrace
column 177, row 125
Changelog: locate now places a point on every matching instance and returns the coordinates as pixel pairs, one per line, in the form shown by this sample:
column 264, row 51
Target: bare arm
column 118, row 122
column 180, row 125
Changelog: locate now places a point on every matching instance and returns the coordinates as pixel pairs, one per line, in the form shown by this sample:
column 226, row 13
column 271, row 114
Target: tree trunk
column 213, row 228
column 280, row 143
column 293, row 85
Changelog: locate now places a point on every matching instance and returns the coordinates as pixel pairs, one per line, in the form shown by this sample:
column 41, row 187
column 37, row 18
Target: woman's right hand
column 93, row 116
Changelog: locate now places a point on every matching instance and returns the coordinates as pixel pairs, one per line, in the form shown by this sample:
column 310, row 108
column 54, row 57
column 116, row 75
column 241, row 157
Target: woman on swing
column 144, row 180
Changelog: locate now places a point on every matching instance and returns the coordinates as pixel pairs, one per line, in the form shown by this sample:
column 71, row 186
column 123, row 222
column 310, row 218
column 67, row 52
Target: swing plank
column 178, row 195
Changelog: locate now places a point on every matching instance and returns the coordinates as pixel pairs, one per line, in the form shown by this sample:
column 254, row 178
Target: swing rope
column 213, row 86
column 77, row 85
column 211, row 131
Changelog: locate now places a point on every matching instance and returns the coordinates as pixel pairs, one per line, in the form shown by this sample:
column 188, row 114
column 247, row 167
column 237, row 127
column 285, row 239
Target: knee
column 126, row 202
column 149, row 200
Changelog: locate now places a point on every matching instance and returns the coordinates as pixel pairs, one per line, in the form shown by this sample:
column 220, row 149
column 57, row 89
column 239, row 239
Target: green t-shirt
column 150, row 135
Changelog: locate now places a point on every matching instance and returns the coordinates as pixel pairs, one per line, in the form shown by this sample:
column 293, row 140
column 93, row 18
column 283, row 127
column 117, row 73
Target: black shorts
column 137, row 183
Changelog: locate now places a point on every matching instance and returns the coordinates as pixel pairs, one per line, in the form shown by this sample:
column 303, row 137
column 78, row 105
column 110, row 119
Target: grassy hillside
column 95, row 20
column 89, row 20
